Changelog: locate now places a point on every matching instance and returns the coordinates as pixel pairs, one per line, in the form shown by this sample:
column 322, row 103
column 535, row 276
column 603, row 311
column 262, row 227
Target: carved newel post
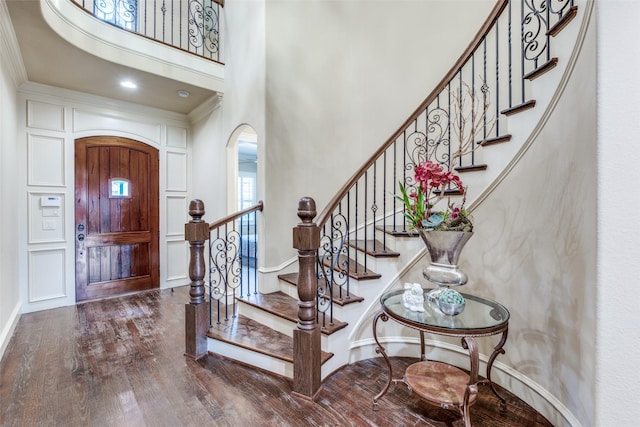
column 196, row 232
column 306, row 335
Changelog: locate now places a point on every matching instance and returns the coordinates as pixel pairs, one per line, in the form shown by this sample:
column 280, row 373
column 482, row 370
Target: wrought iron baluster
column 473, row 109
column 255, row 253
column 498, row 78
column 510, row 50
column 210, row 287
column 534, row 35
column 356, row 267
column 460, row 121
column 364, row 227
column 395, row 181
column 243, row 257
column 484, row 93
column 384, row 201
column 448, row 156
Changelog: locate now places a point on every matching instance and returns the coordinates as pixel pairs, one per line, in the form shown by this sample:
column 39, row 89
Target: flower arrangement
column 431, row 182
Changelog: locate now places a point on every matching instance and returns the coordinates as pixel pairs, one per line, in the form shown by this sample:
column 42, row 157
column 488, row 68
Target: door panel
column 116, row 230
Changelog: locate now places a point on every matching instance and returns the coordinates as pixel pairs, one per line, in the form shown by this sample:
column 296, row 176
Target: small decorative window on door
column 119, row 188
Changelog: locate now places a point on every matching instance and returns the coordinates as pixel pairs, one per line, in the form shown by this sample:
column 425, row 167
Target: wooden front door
column 116, row 213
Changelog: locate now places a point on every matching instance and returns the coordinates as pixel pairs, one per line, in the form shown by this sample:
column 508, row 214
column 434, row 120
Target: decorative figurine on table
column 413, row 297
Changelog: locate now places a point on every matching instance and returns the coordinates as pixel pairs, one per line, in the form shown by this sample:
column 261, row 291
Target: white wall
column 10, row 75
column 244, row 104
column 618, row 129
column 53, row 118
column 208, row 165
column 341, row 77
column 535, row 251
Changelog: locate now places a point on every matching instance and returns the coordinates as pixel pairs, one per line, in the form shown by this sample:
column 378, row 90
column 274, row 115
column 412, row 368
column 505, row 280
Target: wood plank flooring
column 119, row 362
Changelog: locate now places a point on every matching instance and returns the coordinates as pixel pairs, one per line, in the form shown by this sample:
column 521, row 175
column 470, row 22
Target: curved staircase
column 372, row 255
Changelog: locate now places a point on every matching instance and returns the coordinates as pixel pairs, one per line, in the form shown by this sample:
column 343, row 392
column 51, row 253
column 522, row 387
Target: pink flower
column 431, row 180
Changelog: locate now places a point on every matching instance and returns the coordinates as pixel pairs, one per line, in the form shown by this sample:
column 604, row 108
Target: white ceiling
column 50, row 60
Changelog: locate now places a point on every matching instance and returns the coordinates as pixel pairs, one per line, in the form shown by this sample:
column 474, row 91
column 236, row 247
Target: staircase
column 365, row 245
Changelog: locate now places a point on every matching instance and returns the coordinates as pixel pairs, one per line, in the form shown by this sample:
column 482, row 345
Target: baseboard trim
column 9, row 328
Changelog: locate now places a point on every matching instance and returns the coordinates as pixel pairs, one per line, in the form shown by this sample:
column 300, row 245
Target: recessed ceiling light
column 128, row 84
column 184, row 93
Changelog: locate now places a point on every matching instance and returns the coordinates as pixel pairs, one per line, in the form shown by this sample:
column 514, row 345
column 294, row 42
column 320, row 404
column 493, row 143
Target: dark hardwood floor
column 119, row 362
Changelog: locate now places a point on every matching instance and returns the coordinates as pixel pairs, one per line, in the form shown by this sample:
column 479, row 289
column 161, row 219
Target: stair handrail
column 258, row 207
column 473, row 46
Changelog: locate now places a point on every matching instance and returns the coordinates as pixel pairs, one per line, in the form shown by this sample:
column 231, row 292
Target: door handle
column 81, row 240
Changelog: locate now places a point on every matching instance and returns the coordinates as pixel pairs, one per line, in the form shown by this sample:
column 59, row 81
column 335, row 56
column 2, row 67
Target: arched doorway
column 242, row 167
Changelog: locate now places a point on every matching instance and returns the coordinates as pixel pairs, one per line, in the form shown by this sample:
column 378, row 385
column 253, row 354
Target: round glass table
column 436, row 382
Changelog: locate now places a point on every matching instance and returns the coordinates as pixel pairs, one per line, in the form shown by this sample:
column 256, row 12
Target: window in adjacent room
column 121, row 13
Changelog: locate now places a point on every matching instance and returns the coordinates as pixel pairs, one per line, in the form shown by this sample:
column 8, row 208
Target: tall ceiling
column 53, row 61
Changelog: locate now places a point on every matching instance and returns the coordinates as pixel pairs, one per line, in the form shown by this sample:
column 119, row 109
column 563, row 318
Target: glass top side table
column 481, row 317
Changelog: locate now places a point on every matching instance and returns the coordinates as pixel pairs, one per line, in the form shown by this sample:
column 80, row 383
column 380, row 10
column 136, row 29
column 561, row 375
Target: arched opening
column 242, row 166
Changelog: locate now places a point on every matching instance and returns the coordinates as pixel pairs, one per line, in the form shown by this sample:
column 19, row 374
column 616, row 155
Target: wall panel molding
column 42, row 115
column 45, row 160
column 46, row 274
column 176, row 176
column 176, row 214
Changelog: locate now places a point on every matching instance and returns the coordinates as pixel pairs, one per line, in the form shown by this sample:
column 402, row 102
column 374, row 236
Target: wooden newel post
column 196, row 232
column 306, row 335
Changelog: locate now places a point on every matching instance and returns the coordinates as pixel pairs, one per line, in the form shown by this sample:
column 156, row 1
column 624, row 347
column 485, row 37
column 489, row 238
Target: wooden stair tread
column 338, row 299
column 563, row 22
column 357, row 270
column 373, row 248
column 471, row 168
column 398, row 231
column 251, row 335
column 285, row 307
column 519, row 108
column 547, row 66
column 495, row 140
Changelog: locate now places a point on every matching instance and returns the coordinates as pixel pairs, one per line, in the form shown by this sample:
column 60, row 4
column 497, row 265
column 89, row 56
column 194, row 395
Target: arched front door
column 116, row 216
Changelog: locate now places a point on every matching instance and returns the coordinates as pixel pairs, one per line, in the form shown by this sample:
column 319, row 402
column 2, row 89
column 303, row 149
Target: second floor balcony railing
column 189, row 25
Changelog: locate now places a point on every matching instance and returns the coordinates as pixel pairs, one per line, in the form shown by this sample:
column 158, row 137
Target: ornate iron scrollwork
column 224, row 264
column 333, row 265
column 432, row 144
column 560, row 7
column 203, row 26
column 122, row 13
column 534, row 30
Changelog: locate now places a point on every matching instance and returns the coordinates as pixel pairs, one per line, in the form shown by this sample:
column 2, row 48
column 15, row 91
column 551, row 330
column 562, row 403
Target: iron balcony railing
column 189, row 25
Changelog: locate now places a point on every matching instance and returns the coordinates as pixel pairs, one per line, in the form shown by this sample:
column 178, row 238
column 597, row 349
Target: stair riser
column 252, row 358
column 338, row 311
column 277, row 323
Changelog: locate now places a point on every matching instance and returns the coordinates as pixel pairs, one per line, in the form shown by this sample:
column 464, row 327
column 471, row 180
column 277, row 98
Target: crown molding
column 206, row 108
column 9, row 49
